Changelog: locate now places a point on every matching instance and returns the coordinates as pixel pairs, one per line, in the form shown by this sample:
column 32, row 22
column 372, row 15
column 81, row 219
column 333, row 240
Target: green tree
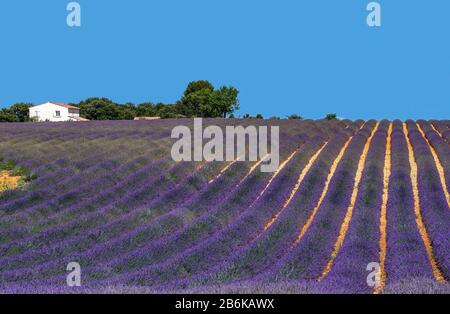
column 196, row 99
column 105, row 109
column 295, row 117
column 200, row 99
column 126, row 111
column 196, row 86
column 21, row 111
column 259, row 116
column 7, row 116
column 169, row 112
column 331, row 116
column 224, row 101
column 146, row 110
column 197, row 104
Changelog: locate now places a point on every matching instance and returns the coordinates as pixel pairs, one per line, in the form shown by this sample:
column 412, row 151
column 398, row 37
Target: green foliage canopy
column 200, row 99
column 16, row 113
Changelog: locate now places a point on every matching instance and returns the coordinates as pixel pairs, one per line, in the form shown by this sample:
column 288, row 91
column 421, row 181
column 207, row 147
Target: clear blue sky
column 309, row 57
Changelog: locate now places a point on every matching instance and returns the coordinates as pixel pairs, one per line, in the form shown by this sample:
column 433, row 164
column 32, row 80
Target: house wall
column 74, row 113
column 47, row 112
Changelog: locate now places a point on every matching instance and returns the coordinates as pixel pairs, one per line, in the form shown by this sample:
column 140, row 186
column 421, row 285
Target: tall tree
column 196, row 86
column 200, row 99
column 7, row 116
column 103, row 109
column 146, row 110
column 224, row 101
column 197, row 104
column 21, row 111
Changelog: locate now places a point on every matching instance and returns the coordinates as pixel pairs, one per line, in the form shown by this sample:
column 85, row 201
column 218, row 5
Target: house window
column 36, row 114
column 57, row 114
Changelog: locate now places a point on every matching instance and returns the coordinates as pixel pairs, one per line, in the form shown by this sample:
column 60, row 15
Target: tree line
column 200, row 99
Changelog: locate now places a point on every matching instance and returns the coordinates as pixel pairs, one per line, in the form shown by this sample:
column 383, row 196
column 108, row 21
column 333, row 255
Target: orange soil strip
column 252, row 169
column 8, row 182
column 437, row 131
column 383, row 216
column 222, row 171
column 280, row 167
column 419, row 221
column 348, row 216
column 439, row 166
column 322, row 196
column 296, row 187
column 256, row 165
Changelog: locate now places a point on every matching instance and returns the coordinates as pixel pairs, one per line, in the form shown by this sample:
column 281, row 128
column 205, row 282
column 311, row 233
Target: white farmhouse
column 55, row 112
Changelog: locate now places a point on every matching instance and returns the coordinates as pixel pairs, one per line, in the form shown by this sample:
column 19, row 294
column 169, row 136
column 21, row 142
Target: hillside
column 346, row 195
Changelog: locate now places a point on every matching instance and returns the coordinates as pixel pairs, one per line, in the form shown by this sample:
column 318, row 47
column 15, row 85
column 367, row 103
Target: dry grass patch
column 9, row 182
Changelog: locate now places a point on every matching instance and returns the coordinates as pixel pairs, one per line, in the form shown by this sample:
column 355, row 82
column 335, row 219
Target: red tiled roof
column 64, row 105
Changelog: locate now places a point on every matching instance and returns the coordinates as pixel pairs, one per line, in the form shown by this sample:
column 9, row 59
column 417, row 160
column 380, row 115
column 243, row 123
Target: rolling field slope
column 346, row 194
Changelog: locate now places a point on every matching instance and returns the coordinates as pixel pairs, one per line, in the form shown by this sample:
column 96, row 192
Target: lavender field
column 346, row 194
